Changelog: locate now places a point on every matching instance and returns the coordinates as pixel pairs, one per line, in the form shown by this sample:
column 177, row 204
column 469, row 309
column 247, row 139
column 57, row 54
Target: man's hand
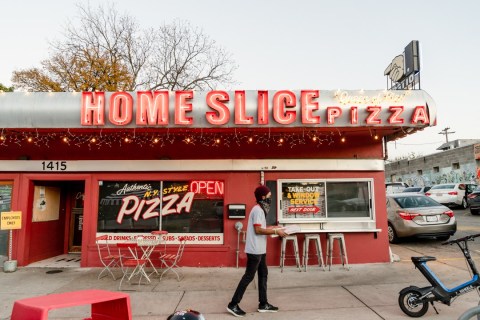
column 281, row 233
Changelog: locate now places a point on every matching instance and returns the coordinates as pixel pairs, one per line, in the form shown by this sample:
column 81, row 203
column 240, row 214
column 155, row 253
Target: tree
column 5, row 89
column 107, row 51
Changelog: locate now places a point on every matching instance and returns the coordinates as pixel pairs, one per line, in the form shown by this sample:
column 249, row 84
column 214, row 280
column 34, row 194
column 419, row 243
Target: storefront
column 81, row 165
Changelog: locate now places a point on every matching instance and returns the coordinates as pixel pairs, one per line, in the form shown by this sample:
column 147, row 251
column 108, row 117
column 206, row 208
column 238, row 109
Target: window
column 436, row 169
column 455, row 166
column 348, row 199
column 419, row 172
column 321, row 200
column 186, row 207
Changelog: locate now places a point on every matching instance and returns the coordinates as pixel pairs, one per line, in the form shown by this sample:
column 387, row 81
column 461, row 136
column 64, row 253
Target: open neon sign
column 208, row 187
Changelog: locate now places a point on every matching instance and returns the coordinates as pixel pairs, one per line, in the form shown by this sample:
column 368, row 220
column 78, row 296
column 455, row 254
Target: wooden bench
column 106, row 305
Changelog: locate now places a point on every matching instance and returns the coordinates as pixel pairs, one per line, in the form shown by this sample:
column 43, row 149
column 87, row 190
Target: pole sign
column 11, row 220
column 404, row 70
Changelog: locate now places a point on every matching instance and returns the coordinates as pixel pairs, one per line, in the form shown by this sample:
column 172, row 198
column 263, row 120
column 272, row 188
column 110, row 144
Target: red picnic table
column 106, row 305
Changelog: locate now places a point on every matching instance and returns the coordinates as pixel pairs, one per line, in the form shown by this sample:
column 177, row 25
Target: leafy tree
column 5, row 89
column 107, row 51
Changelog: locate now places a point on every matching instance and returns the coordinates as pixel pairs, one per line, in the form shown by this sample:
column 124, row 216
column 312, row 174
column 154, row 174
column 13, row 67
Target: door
column 76, row 197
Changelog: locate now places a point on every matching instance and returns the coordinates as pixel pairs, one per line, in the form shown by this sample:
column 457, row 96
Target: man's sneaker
column 236, row 311
column 267, row 307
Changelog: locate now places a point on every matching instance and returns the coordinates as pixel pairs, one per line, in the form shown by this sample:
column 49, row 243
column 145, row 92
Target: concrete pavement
column 364, row 292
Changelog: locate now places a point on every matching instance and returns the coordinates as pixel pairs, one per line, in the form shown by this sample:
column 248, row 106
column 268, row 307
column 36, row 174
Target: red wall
column 32, row 241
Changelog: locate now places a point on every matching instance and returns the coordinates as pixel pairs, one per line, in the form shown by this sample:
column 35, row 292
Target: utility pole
column 446, row 132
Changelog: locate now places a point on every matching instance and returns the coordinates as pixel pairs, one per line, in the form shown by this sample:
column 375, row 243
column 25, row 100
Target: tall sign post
column 404, row 70
column 10, row 220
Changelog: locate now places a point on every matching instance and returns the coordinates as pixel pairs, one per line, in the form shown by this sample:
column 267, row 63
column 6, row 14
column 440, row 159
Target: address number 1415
column 54, row 165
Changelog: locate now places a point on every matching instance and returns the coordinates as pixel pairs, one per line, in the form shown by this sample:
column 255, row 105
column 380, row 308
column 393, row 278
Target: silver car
column 416, row 215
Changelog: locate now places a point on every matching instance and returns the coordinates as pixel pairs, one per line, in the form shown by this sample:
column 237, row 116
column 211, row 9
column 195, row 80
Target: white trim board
column 59, row 166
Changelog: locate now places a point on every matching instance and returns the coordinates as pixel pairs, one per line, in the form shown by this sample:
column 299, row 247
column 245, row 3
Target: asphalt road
column 466, row 225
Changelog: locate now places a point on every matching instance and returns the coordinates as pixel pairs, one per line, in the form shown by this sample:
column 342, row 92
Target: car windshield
column 412, row 189
column 416, row 202
column 443, row 186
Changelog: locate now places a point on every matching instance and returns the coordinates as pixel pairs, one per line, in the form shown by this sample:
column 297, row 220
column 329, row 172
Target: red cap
column 261, row 191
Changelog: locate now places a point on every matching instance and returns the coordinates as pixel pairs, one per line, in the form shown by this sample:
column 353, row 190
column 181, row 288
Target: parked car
column 416, row 215
column 395, row 187
column 451, row 194
column 474, row 201
column 419, row 190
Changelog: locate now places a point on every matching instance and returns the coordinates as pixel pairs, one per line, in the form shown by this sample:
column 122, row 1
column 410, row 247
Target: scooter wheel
column 411, row 305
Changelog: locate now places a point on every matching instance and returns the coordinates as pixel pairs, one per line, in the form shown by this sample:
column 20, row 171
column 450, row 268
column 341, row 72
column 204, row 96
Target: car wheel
column 392, row 235
column 474, row 212
column 464, row 203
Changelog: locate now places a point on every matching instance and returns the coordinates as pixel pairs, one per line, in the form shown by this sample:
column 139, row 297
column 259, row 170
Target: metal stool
column 295, row 247
column 318, row 245
column 343, row 251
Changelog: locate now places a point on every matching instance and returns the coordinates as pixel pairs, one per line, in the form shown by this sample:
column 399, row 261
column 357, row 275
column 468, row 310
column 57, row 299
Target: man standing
column 256, row 250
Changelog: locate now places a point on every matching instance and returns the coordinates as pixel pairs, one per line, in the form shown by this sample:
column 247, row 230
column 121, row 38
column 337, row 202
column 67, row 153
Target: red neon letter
column 121, row 108
column 92, row 109
column 395, row 117
column 262, row 106
column 240, row 112
column 182, row 107
column 215, row 100
column 332, row 113
column 152, row 108
column 354, row 115
column 308, row 106
column 420, row 114
column 282, row 100
column 372, row 118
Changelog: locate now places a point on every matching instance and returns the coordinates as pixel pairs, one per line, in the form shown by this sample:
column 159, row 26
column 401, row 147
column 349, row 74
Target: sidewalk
column 365, row 292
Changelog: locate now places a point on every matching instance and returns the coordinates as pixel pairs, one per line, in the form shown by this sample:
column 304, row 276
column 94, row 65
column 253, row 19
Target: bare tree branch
column 108, row 51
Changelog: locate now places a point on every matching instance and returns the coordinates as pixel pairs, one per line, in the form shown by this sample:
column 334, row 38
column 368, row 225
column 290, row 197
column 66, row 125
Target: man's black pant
column 255, row 262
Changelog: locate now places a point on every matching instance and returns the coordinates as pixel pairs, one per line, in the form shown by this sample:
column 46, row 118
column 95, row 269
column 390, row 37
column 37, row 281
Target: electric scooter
column 414, row 300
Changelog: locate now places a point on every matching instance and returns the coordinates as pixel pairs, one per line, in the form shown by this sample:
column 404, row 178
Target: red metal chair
column 107, row 259
column 133, row 265
column 171, row 260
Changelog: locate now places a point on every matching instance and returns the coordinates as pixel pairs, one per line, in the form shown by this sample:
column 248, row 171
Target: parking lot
column 448, row 254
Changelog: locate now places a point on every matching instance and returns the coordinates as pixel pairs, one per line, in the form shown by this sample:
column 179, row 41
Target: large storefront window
column 192, row 208
column 5, row 205
column 305, row 201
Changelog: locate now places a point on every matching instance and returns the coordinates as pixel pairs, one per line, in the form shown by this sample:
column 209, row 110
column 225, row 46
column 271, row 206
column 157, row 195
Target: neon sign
column 209, row 187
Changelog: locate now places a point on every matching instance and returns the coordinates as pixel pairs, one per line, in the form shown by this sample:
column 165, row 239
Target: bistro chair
column 133, row 265
column 171, row 260
column 107, row 259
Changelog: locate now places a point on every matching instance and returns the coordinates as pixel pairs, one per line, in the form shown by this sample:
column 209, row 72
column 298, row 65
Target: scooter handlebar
column 467, row 238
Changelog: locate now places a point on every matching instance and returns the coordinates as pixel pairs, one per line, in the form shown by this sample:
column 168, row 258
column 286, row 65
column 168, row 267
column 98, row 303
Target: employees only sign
column 10, row 220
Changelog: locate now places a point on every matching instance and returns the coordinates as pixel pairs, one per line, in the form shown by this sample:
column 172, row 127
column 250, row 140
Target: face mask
column 265, row 204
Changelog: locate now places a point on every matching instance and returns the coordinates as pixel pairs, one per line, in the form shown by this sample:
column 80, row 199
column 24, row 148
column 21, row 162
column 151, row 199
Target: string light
column 155, row 139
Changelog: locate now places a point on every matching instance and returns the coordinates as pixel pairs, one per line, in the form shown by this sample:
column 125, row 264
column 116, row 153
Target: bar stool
column 343, row 251
column 318, row 245
column 294, row 240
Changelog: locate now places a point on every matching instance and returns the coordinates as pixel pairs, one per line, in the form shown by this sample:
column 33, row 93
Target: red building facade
column 80, row 165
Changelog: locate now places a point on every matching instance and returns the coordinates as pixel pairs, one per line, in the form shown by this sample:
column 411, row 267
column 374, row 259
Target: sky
column 325, row 45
